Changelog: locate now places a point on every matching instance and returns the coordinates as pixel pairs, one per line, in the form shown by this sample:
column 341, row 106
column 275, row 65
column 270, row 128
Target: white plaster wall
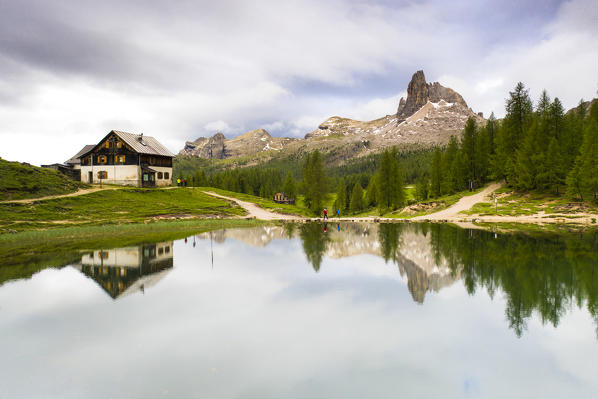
column 123, row 257
column 126, row 175
column 163, row 182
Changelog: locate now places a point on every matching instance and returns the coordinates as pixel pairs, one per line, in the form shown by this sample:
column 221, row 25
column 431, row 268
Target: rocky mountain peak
column 419, row 93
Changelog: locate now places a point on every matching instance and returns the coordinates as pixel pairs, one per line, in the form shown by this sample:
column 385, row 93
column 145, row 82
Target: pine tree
column 340, row 202
column 422, row 188
column 356, row 198
column 435, row 177
column 492, row 128
column 588, row 172
column 512, row 132
column 391, row 192
column 449, row 182
column 553, row 175
column 371, row 192
column 468, row 148
column 290, row 186
column 314, row 182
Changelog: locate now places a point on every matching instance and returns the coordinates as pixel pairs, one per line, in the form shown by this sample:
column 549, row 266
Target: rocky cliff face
column 250, row 143
column 429, row 116
column 419, row 93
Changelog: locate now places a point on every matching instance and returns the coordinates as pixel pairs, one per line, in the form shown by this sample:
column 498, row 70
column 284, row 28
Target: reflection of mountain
column 424, row 272
column 122, row 271
column 409, row 248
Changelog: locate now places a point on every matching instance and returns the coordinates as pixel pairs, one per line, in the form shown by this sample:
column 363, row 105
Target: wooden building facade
column 126, row 159
column 282, row 198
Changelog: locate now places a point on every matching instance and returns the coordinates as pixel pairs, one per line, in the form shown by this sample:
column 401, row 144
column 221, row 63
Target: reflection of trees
column 315, row 242
column 289, row 229
column 388, row 236
column 543, row 273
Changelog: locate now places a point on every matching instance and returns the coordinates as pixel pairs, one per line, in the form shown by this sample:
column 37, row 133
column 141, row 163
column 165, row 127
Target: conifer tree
column 491, row 128
column 371, row 192
column 422, row 188
column 468, row 148
column 553, row 175
column 391, row 192
column 435, row 177
column 449, row 179
column 314, row 182
column 356, row 198
column 341, row 196
column 512, row 132
column 588, row 160
column 290, row 186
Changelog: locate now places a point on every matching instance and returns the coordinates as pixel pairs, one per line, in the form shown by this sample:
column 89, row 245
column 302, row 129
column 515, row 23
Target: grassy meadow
column 21, row 181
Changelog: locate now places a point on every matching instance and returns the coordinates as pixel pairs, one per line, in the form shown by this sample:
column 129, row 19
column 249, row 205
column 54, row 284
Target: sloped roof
column 143, row 144
column 76, row 159
column 138, row 142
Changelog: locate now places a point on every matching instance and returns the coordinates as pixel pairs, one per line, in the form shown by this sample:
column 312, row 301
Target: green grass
column 23, row 254
column 521, row 204
column 21, row 181
column 128, row 205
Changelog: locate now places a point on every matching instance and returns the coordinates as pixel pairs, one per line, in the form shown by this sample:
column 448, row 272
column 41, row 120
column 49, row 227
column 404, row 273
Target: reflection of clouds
column 252, row 328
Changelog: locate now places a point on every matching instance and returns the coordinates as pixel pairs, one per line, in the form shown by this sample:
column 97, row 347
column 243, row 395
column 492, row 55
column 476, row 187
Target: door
column 90, row 177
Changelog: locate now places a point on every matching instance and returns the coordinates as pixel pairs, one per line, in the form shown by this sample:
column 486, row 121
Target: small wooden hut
column 281, row 198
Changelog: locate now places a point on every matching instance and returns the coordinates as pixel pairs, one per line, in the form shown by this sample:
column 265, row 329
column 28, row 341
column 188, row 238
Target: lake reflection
column 309, row 310
column 122, row 271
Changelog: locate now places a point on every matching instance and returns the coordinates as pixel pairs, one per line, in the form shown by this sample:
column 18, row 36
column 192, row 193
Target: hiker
column 338, row 213
column 325, row 213
column 178, row 182
column 185, row 182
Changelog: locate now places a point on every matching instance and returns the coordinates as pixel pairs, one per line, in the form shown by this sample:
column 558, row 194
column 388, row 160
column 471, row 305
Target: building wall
column 125, row 175
column 163, row 182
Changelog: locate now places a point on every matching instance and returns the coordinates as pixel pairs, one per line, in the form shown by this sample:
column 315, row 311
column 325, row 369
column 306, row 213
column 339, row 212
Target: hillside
column 429, row 116
column 21, row 180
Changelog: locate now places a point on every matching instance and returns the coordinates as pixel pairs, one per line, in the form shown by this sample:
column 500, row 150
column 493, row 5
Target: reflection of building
column 121, row 271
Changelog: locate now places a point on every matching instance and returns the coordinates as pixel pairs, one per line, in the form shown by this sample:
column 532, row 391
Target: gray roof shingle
column 143, row 144
column 76, row 159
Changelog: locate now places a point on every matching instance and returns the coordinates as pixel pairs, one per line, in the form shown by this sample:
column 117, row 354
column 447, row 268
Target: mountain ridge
column 430, row 116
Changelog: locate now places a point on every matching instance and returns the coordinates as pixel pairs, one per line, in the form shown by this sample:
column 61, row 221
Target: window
column 167, row 250
column 119, row 144
column 145, row 177
column 107, row 144
column 102, row 174
column 102, row 159
column 119, row 159
column 159, row 175
column 166, row 175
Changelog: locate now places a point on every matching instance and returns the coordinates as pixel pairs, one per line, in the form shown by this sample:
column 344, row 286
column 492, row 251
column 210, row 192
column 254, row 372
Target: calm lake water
column 307, row 311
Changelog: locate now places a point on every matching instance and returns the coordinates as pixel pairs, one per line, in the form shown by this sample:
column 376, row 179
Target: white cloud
column 248, row 67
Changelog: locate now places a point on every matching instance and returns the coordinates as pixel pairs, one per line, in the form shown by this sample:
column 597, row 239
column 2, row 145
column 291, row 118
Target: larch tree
column 356, row 198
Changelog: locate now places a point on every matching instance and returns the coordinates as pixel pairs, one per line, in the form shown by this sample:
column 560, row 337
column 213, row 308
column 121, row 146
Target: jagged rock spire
column 419, row 93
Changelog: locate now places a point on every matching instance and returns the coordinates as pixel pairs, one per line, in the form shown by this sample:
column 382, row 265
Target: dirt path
column 255, row 211
column 49, row 197
column 464, row 204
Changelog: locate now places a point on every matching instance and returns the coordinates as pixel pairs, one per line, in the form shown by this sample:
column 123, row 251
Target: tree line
column 541, row 148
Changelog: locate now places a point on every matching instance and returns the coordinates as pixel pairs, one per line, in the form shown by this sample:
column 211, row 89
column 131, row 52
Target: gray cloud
column 175, row 69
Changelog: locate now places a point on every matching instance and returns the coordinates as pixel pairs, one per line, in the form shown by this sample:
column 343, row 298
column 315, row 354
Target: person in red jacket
column 325, row 213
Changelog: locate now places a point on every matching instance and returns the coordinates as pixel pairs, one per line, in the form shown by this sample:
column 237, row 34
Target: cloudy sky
column 70, row 71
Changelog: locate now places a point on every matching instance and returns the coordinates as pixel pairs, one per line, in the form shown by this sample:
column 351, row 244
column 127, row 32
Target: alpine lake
column 307, row 311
